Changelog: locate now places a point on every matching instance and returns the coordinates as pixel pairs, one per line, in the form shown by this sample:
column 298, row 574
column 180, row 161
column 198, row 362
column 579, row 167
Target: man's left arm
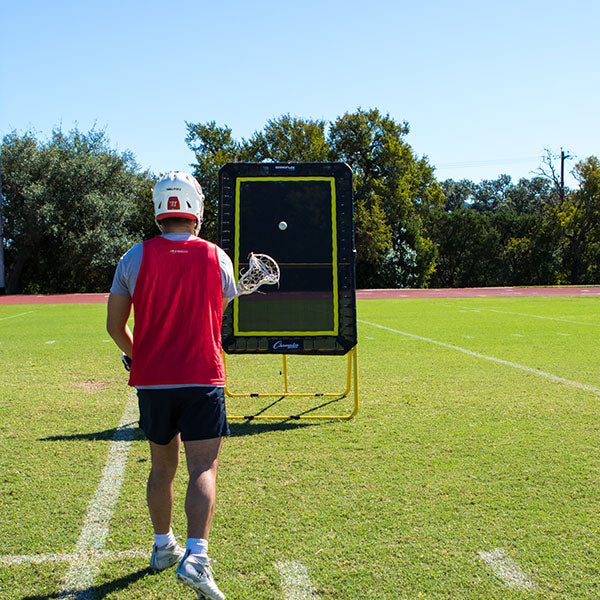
column 118, row 311
column 227, row 277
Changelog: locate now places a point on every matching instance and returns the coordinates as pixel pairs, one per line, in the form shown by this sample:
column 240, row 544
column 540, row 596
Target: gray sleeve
column 129, row 267
column 127, row 272
column 227, row 275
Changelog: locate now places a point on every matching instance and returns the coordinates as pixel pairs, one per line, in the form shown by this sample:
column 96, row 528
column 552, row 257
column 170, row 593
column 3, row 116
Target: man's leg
column 202, row 458
column 159, row 491
column 194, row 570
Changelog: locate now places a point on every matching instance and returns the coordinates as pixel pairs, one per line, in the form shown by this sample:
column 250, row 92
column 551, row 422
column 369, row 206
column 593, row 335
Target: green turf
column 450, row 455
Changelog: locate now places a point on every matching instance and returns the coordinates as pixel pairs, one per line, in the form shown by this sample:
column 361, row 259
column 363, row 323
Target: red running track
column 491, row 292
column 497, row 292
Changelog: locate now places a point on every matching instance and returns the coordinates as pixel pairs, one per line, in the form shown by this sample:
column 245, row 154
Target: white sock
column 162, row 540
column 197, row 546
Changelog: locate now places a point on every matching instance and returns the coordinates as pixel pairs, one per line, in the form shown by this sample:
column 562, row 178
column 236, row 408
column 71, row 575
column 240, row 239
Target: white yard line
column 577, row 384
column 506, row 569
column 295, row 581
column 15, row 316
column 36, row 559
column 86, row 555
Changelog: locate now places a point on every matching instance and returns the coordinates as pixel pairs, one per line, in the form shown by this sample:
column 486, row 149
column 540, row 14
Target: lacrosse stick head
column 262, row 269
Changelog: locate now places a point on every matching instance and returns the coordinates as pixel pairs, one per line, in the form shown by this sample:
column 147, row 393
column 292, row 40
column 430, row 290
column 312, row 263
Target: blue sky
column 484, row 86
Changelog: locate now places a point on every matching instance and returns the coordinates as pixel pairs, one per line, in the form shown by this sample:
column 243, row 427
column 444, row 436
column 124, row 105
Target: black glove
column 126, row 361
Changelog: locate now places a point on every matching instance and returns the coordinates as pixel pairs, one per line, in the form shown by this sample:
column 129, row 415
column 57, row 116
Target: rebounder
column 301, row 214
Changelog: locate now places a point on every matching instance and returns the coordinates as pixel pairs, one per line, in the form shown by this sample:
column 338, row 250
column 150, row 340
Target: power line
column 489, row 162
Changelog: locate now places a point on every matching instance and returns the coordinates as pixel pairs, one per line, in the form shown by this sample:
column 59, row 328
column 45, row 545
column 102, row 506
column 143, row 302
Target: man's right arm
column 118, row 311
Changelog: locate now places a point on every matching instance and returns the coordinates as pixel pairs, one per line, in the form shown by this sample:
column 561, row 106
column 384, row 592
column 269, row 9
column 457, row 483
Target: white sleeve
column 227, row 274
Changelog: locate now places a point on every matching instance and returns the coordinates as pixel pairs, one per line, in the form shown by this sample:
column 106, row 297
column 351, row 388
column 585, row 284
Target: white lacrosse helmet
column 178, row 194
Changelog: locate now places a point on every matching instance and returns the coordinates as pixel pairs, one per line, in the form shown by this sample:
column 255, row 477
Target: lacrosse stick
column 262, row 270
column 126, row 361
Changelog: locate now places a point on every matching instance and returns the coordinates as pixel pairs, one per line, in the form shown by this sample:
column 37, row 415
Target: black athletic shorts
column 198, row 413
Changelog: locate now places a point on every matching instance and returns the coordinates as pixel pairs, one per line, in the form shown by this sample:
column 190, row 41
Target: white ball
column 283, row 225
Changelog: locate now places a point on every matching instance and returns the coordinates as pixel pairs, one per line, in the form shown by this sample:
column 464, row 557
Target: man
column 179, row 286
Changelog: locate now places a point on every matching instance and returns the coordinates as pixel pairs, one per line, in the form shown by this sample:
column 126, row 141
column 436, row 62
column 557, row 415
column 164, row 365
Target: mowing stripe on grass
column 556, row 378
column 85, row 558
column 15, row 316
column 506, row 569
column 506, row 312
column 295, row 582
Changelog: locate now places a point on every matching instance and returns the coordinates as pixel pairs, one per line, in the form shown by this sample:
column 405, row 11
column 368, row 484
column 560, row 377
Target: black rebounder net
column 301, row 215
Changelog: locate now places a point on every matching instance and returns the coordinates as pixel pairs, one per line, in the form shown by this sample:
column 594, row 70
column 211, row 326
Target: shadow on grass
column 97, row 591
column 98, row 436
column 249, row 426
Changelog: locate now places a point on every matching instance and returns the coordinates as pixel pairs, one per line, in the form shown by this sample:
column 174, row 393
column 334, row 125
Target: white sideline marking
column 33, row 559
column 51, row 342
column 581, row 386
column 15, row 316
column 506, row 569
column 296, row 583
column 89, row 547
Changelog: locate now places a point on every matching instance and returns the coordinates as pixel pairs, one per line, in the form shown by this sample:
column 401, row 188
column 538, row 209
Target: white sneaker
column 196, row 572
column 163, row 558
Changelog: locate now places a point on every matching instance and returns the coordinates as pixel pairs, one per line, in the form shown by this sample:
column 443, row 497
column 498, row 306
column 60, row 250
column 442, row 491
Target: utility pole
column 563, row 157
column 2, row 286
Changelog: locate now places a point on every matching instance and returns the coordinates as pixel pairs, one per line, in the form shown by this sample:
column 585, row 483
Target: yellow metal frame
column 351, row 386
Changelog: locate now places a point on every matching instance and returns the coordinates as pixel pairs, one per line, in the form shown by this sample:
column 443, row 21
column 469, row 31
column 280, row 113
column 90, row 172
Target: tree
column 389, row 175
column 578, row 221
column 458, row 194
column 213, row 147
column 495, row 233
column 530, row 196
column 393, row 189
column 467, row 249
column 288, row 139
column 73, row 206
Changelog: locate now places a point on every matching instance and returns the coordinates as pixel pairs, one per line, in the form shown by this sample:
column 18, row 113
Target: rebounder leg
column 351, row 387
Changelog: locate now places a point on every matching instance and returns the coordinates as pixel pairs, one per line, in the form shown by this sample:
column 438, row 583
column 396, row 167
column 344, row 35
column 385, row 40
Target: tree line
column 73, row 205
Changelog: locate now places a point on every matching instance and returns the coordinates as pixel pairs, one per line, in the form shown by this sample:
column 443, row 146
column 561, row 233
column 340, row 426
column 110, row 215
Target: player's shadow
column 250, row 425
column 97, row 591
column 98, row 436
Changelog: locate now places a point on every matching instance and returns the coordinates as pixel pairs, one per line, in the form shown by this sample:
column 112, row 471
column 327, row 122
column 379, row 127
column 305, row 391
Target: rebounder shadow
column 250, row 427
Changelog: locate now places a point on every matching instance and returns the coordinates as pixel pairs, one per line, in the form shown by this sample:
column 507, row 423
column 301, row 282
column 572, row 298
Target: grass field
column 461, row 478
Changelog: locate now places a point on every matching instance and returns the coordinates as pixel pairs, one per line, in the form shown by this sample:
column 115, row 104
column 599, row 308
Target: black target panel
column 301, row 215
